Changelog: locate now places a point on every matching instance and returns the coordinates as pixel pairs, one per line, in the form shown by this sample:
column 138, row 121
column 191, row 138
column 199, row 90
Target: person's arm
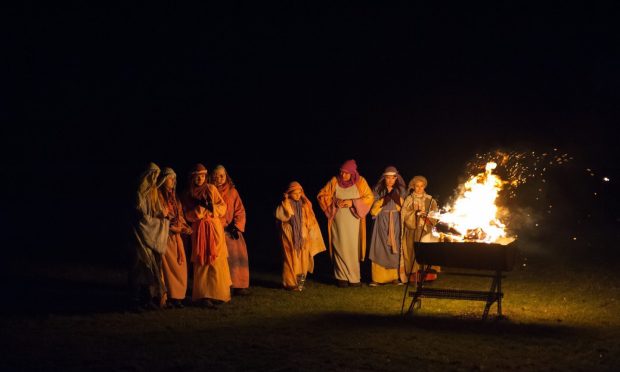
column 197, row 213
column 361, row 206
column 326, row 197
column 219, row 206
column 185, row 228
column 408, row 214
column 433, row 208
column 239, row 212
column 284, row 212
column 376, row 207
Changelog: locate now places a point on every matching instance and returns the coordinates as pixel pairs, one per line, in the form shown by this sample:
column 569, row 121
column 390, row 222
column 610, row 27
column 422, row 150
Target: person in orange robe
column 234, row 227
column 174, row 263
column 300, row 236
column 345, row 200
column 203, row 208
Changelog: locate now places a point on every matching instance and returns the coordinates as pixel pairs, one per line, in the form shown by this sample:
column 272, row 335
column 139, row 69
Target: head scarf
column 167, row 171
column 296, row 220
column 169, row 195
column 293, row 186
column 228, row 184
column 198, row 192
column 380, row 190
column 199, row 169
column 147, row 191
column 148, row 179
column 349, row 166
column 416, row 179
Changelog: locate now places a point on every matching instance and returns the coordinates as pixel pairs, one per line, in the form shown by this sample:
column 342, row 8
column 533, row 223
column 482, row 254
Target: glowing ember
column 474, row 213
column 520, row 167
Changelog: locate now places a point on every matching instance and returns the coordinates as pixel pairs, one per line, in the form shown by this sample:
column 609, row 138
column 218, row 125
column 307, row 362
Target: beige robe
column 151, row 234
column 415, row 230
column 346, row 261
column 326, row 198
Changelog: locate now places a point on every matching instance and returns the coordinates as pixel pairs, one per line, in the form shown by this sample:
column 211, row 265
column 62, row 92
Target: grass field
column 559, row 316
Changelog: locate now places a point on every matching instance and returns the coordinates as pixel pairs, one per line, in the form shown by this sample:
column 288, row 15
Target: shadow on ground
column 447, row 324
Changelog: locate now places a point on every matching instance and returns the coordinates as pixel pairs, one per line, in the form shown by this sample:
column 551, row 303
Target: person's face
column 345, row 175
column 170, row 181
column 220, row 177
column 295, row 195
column 418, row 187
column 390, row 181
column 199, row 179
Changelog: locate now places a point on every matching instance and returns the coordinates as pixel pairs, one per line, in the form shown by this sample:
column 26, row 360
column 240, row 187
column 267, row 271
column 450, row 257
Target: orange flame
column 474, row 212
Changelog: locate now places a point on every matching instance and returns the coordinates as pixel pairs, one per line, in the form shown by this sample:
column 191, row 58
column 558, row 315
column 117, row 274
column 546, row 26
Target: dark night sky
column 98, row 91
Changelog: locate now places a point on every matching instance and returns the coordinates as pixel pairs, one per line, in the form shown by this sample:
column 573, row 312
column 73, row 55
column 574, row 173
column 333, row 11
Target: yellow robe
column 298, row 262
column 212, row 280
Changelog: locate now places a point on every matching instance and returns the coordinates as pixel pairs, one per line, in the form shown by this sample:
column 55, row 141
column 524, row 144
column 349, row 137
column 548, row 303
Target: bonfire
column 473, row 216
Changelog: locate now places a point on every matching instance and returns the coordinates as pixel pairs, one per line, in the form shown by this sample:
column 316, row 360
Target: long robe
column 385, row 244
column 237, row 248
column 174, row 263
column 211, row 273
column 151, row 234
column 348, row 250
column 415, row 230
column 298, row 261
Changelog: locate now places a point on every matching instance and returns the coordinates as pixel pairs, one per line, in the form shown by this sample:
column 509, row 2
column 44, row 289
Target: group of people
column 212, row 216
column 401, row 218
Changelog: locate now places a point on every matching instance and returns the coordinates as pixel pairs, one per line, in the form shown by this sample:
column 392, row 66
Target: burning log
column 475, row 234
column 444, row 228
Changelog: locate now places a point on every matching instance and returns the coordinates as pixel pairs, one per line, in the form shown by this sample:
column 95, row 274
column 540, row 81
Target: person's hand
column 207, row 204
column 180, row 260
column 345, row 203
column 187, row 230
column 233, row 231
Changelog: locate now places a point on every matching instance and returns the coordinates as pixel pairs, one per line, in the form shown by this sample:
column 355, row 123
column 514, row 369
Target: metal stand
column 493, row 295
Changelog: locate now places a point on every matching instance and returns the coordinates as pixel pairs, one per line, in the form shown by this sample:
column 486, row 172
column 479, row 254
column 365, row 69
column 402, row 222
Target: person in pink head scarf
column 345, row 200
